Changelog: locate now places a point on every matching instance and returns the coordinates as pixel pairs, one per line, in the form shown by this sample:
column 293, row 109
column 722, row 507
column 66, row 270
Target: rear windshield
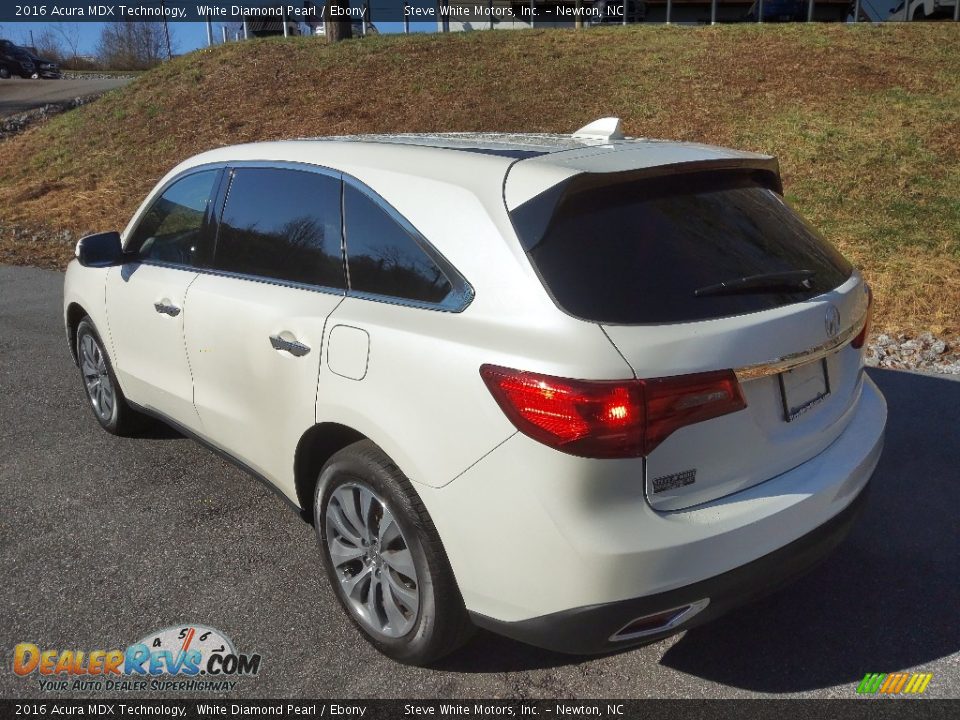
column 620, row 248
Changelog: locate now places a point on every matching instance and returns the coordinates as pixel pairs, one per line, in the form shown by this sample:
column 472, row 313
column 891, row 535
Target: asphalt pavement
column 104, row 540
column 18, row 95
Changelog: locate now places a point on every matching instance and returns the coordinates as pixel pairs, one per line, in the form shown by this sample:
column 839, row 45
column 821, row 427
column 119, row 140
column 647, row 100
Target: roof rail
column 605, row 129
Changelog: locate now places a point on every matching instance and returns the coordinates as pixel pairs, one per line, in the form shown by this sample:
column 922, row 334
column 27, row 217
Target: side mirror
column 100, row 250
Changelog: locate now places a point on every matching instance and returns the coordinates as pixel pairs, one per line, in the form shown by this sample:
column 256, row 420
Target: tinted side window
column 282, row 224
column 383, row 257
column 172, row 229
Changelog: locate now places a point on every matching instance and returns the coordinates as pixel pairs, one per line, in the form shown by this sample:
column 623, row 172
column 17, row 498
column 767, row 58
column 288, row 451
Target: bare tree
column 132, row 45
column 339, row 28
column 69, row 40
column 46, row 43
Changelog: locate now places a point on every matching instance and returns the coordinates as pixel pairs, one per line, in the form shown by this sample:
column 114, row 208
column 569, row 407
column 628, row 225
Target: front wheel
column 384, row 558
column 109, row 406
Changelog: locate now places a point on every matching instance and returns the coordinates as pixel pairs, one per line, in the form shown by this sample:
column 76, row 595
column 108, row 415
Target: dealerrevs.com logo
column 183, row 658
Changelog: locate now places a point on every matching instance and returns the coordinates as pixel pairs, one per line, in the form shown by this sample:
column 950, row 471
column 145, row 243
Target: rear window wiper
column 765, row 282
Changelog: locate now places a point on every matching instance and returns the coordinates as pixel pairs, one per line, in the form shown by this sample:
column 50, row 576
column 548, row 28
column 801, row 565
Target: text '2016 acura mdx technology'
column 584, row 391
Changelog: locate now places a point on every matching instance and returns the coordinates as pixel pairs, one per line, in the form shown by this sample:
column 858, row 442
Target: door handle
column 297, row 349
column 163, row 308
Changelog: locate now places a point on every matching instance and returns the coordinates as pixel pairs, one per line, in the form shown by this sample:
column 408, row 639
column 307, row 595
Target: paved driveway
column 105, row 539
column 18, row 95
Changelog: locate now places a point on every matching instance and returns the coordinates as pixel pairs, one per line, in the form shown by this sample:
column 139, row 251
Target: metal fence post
column 283, row 19
column 669, row 10
column 490, row 12
column 533, row 21
column 406, row 18
column 956, row 11
column 810, row 11
column 713, row 12
column 209, row 31
column 760, row 10
column 856, row 11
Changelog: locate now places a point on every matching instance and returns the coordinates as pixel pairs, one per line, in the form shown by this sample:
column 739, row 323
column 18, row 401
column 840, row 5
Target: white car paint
column 407, row 378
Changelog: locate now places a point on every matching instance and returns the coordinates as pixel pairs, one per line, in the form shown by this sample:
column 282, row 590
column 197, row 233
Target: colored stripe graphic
column 919, row 681
column 871, row 683
column 894, row 683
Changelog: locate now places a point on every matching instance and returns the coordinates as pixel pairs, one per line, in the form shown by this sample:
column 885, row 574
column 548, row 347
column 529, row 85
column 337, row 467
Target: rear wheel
column 109, row 406
column 384, row 559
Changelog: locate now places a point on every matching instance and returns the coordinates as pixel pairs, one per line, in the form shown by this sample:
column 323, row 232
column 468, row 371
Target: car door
column 255, row 323
column 145, row 298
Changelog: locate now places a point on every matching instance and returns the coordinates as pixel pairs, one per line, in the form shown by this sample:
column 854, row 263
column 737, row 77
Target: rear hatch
column 703, row 269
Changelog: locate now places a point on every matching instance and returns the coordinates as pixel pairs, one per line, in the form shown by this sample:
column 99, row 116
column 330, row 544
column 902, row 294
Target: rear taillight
column 609, row 419
column 861, row 337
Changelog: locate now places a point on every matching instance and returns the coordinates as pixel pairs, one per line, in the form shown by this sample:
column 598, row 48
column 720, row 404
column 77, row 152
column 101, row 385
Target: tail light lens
column 609, row 419
column 861, row 338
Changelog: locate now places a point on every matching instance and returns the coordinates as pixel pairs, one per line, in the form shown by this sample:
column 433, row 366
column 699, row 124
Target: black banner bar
column 854, row 709
column 504, row 13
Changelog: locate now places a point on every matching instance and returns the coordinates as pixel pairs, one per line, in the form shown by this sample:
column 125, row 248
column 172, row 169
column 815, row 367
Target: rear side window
column 616, row 248
column 171, row 231
column 282, row 224
column 383, row 257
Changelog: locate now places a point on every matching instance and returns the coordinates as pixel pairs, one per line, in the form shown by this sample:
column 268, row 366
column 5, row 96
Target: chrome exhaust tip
column 658, row 622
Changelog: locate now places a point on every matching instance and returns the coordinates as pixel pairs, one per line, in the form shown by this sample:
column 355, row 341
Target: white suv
column 584, row 391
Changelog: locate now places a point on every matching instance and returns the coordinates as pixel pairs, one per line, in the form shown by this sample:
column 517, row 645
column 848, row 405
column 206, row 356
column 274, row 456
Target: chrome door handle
column 297, row 349
column 171, row 310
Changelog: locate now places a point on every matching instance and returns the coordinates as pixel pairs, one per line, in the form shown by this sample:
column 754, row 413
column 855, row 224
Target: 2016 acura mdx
column 584, row 391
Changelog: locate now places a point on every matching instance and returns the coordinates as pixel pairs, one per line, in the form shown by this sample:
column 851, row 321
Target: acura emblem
column 832, row 321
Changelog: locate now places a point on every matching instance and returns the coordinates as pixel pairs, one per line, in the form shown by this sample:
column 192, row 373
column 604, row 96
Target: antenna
column 605, row 129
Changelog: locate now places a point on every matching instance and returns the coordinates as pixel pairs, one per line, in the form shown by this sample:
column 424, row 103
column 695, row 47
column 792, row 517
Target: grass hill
column 864, row 119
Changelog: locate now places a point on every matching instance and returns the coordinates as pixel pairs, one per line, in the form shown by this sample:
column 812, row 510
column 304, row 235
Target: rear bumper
column 534, row 535
column 589, row 630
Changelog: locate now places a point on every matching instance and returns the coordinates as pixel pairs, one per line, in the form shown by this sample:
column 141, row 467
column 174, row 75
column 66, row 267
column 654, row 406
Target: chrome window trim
column 232, row 166
column 323, row 289
column 158, row 193
column 804, row 357
column 457, row 300
column 461, row 291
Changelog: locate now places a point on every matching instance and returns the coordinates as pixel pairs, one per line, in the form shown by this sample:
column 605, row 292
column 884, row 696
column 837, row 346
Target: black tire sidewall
column 345, row 468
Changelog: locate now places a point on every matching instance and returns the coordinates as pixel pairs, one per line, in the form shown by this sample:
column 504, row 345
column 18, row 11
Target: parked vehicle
column 584, row 391
column 47, row 69
column 15, row 60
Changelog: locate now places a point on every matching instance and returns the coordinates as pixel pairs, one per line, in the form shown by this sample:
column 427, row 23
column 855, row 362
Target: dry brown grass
column 865, row 121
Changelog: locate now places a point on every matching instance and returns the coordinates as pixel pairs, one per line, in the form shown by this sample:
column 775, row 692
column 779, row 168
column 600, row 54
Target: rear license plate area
column 803, row 388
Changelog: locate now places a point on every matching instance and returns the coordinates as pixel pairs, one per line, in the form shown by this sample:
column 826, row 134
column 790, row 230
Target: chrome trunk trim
column 794, row 360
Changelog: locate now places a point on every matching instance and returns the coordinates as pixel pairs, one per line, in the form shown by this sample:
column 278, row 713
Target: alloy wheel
column 96, row 378
column 372, row 560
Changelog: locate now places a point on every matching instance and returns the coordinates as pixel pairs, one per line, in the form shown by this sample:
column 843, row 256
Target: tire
column 107, row 401
column 4, row 73
column 363, row 477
